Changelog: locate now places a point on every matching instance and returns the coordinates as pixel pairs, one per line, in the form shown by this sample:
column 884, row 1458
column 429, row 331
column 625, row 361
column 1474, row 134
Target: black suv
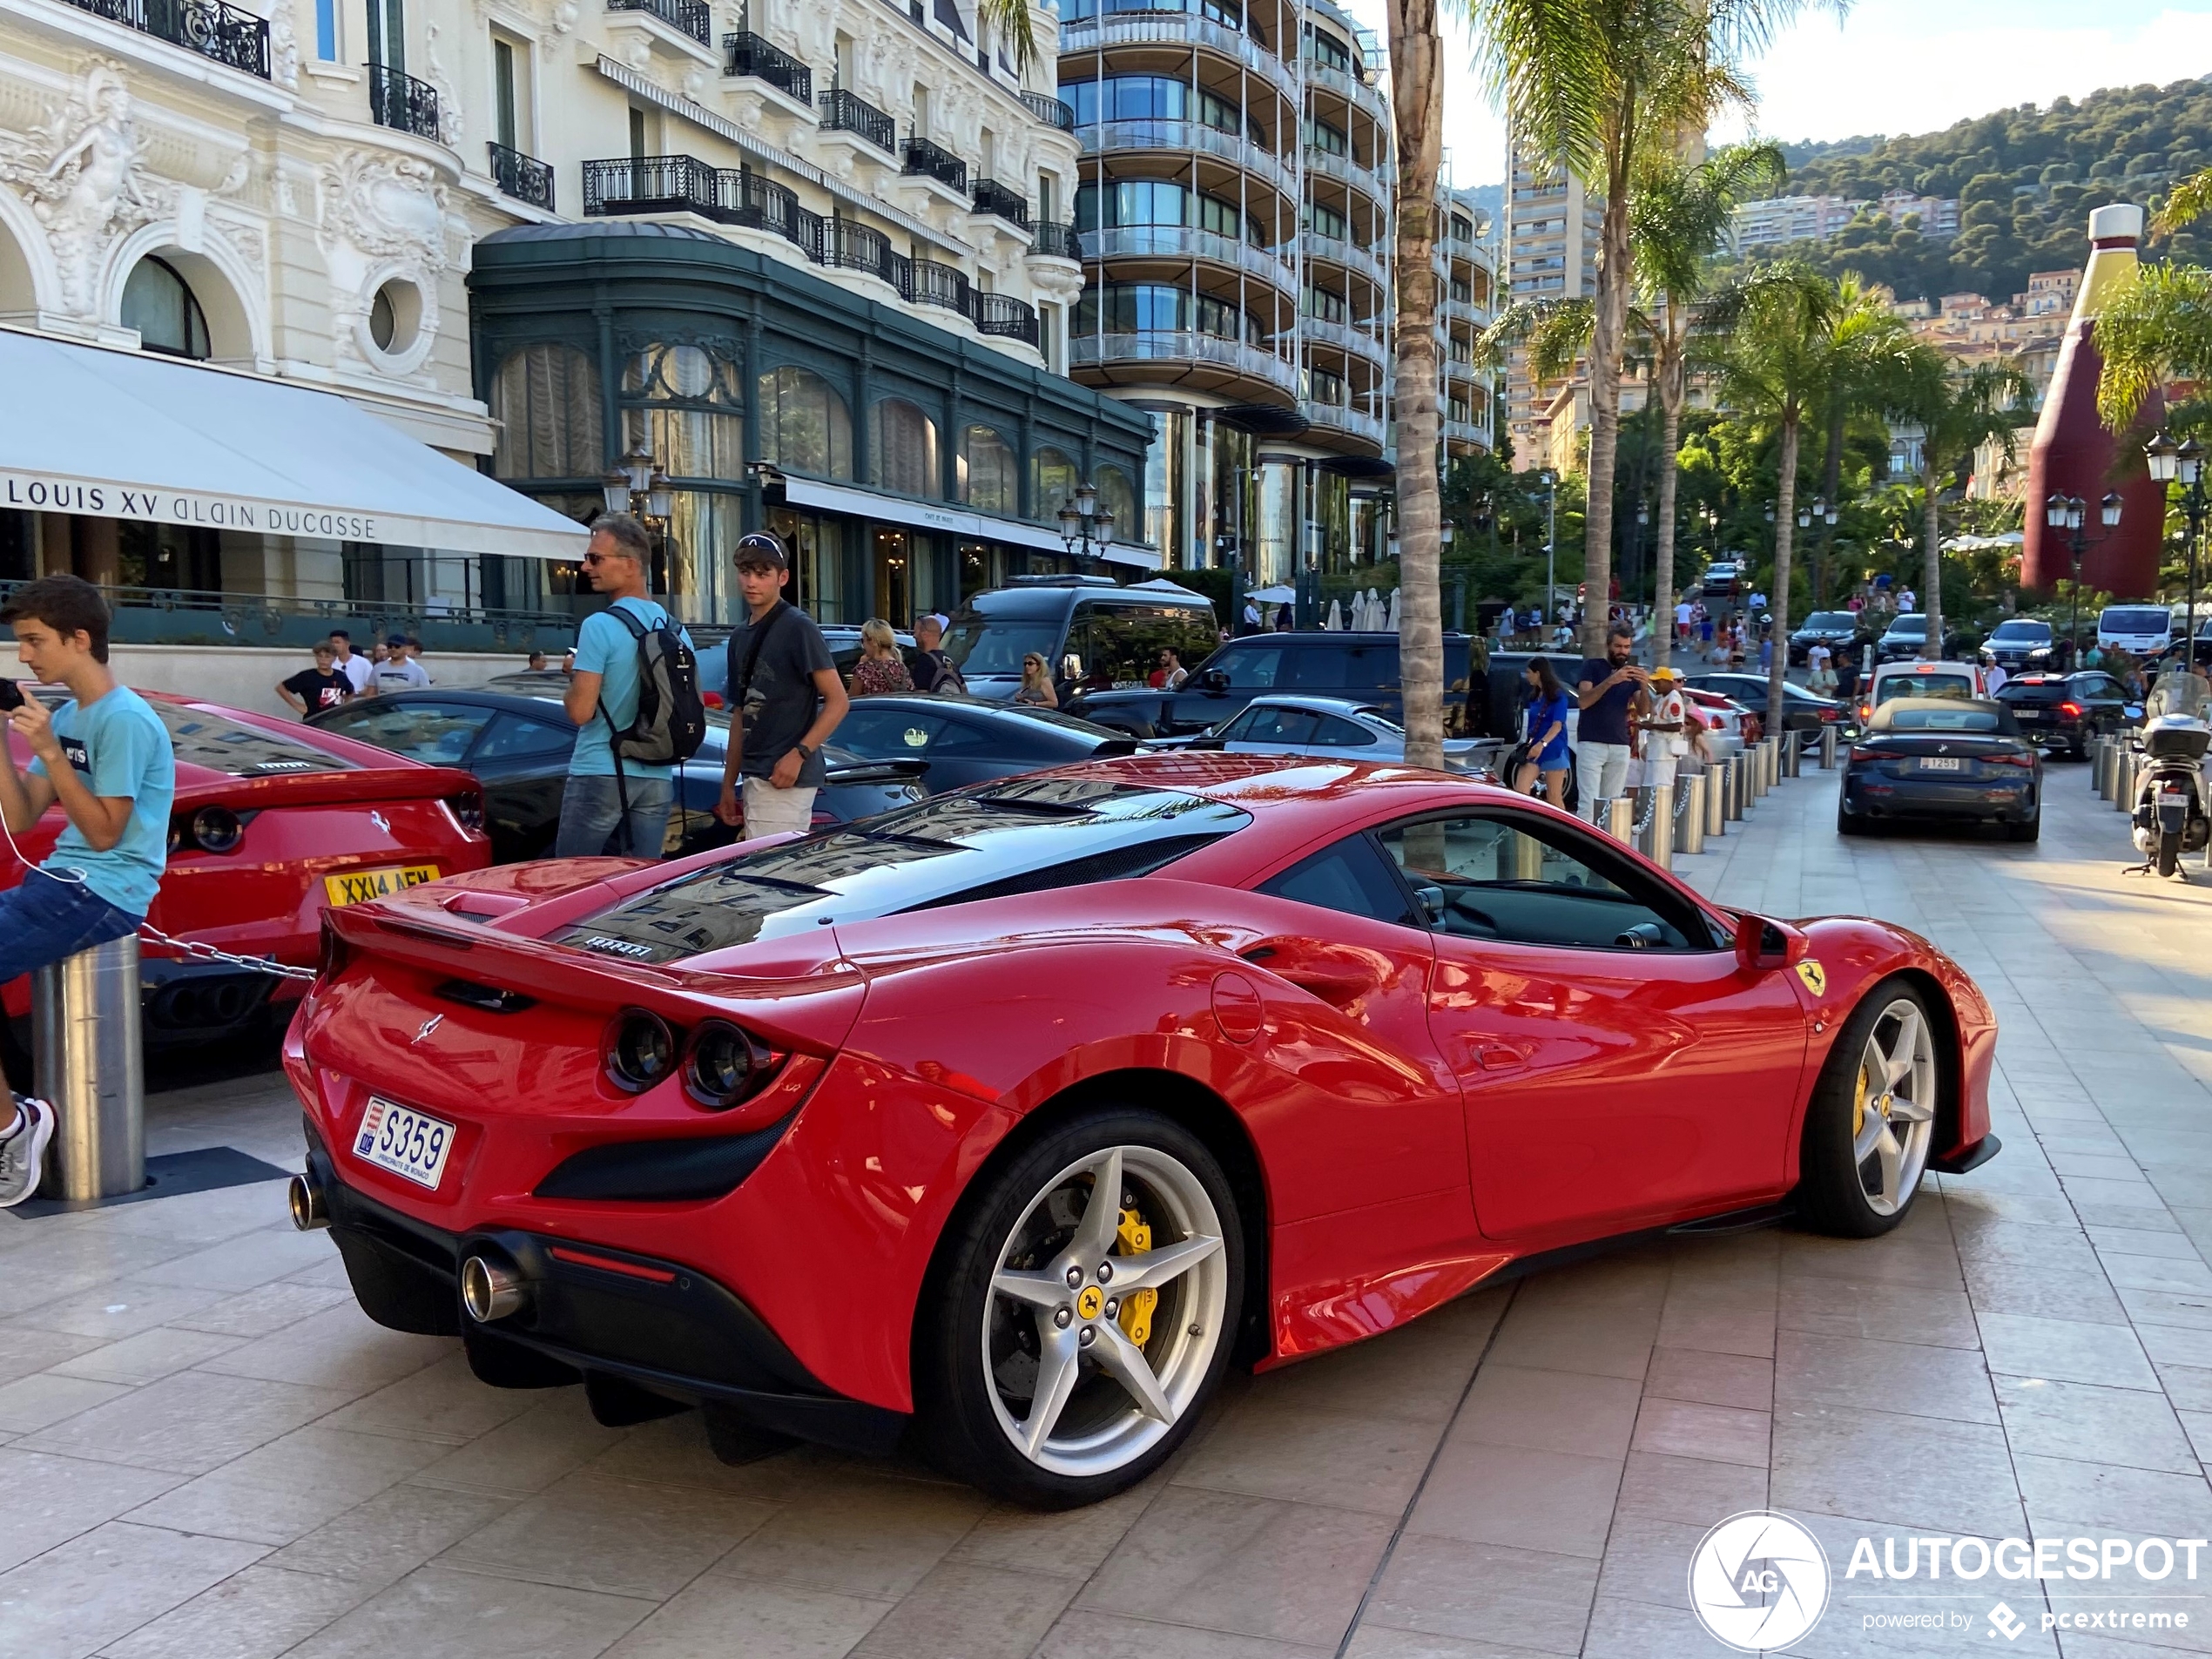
column 1093, row 636
column 2066, row 711
column 2025, row 645
column 1363, row 666
column 1837, row 630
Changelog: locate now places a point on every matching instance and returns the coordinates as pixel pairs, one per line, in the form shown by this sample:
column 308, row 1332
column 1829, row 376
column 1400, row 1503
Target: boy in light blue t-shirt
column 105, row 758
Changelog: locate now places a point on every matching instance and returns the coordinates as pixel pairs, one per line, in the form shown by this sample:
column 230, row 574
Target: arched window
column 545, row 402
column 990, row 476
column 1118, row 496
column 160, row 305
column 1052, row 480
column 804, row 425
column 684, row 405
column 902, row 447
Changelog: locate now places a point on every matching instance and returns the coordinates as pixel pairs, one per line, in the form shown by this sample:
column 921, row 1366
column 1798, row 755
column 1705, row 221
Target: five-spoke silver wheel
column 1893, row 1116
column 1108, row 1304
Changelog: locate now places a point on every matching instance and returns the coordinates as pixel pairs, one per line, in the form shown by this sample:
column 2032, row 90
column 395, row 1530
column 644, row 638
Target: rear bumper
column 2005, row 803
column 663, row 1325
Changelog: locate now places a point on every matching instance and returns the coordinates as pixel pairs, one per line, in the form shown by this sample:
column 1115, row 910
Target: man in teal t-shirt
column 602, row 700
column 105, row 758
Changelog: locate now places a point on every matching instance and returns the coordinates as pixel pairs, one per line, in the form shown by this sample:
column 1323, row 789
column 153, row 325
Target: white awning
column 957, row 521
column 136, row 436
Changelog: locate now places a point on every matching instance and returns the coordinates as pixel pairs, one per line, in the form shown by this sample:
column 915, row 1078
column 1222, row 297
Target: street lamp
column 1087, row 528
column 1551, row 540
column 2182, row 464
column 2067, row 513
column 639, row 487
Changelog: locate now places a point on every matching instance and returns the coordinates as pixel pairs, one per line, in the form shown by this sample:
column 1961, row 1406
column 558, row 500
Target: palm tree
column 2190, row 200
column 1776, row 341
column 1958, row 410
column 1595, row 86
column 2157, row 329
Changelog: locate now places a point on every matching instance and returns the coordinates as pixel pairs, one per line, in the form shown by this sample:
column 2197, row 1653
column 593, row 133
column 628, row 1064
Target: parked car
column 517, row 743
column 2020, row 643
column 1726, row 721
column 273, row 823
column 2067, row 710
column 1335, row 728
column 2140, row 630
column 1837, row 630
column 1102, row 1079
column 1943, row 759
column 1094, row 636
column 1801, row 710
column 1362, row 666
column 958, row 741
column 1960, row 681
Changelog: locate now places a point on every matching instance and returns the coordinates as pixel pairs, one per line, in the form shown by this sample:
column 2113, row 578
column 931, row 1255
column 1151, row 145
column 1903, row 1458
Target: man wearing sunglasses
column 785, row 697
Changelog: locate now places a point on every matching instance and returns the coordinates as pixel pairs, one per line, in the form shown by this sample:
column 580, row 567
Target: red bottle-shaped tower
column 2073, row 455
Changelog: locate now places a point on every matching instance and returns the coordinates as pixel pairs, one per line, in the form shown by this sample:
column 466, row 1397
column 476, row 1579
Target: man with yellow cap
column 1666, row 729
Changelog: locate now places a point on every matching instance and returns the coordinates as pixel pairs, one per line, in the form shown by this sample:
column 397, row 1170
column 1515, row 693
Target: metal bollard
column 1762, row 768
column 86, row 1057
column 1617, row 818
column 1660, row 847
column 1793, row 755
column 1739, row 772
column 2123, row 783
column 1828, row 748
column 1716, row 807
column 1693, row 813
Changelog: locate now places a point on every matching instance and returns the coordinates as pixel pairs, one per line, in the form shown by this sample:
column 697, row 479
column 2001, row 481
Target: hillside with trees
column 2025, row 179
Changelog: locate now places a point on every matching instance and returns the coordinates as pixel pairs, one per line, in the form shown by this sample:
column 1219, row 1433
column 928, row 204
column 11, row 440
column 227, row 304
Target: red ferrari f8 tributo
column 1011, row 1118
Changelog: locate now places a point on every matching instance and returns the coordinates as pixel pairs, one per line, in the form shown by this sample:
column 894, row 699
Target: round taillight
column 216, row 829
column 641, row 1050
column 722, row 1065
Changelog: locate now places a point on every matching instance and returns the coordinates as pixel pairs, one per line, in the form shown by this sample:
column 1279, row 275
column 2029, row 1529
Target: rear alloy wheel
column 1085, row 1312
column 1872, row 1123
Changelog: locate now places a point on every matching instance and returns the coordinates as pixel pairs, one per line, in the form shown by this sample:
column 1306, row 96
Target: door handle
column 1495, row 1056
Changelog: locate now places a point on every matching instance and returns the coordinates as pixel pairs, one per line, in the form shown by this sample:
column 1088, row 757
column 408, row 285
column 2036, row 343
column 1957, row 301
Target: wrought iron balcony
column 855, row 246
column 688, row 17
column 524, row 178
column 1002, row 314
column 747, row 54
column 932, row 284
column 235, row 38
column 933, row 161
column 1053, row 112
column 653, row 184
column 402, row 103
column 1056, row 241
column 991, row 197
column 845, row 112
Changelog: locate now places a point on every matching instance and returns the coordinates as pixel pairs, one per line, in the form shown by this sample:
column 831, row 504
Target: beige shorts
column 771, row 811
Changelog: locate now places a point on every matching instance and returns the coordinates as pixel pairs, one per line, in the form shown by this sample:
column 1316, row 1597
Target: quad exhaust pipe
column 491, row 1292
column 304, row 1198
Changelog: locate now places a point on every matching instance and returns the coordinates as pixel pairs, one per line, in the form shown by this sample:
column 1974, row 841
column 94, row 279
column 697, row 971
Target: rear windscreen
column 1959, row 686
column 1966, row 718
column 219, row 743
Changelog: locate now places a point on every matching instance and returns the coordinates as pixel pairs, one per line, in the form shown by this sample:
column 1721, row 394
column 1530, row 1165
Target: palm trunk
column 1785, row 522
column 1931, row 556
column 1417, row 95
column 1608, row 335
column 1669, row 382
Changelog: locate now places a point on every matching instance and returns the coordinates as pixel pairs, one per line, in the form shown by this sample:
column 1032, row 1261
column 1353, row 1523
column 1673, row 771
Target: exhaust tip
column 304, row 1199
column 492, row 1293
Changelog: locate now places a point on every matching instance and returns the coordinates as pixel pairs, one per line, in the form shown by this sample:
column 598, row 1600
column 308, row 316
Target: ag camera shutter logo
column 1758, row 1582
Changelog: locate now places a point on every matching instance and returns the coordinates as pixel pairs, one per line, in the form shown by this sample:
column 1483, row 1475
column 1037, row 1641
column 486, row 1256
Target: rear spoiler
column 337, row 788
column 812, row 1011
column 874, row 772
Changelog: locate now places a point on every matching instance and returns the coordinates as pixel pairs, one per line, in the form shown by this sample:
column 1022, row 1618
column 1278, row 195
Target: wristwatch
column 805, row 753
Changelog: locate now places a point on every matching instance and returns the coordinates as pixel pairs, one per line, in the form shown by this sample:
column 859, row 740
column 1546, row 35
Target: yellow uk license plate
column 357, row 885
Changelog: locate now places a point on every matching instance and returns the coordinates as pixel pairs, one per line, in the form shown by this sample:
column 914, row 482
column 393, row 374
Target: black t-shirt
column 1607, row 719
column 318, row 690
column 781, row 701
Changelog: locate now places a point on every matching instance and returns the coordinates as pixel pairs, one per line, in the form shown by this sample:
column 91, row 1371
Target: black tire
column 1830, row 1197
column 394, row 1292
column 958, row 1402
column 1846, row 825
column 2032, row 830
column 2169, row 852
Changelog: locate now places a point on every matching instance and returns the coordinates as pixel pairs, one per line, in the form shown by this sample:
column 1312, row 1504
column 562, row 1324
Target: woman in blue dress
column 1547, row 744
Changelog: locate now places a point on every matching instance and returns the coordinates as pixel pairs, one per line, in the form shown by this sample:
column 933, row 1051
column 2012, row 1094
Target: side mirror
column 1431, row 900
column 1214, row 679
column 1760, row 946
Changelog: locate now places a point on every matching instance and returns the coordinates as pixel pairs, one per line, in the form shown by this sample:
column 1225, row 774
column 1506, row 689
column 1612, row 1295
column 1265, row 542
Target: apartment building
column 1781, row 219
column 1554, row 224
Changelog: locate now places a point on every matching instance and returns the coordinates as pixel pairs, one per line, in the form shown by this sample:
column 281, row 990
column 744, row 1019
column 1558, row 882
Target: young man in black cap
column 785, row 697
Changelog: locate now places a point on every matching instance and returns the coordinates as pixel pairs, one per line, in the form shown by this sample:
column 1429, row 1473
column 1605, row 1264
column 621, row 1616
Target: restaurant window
column 902, row 447
column 160, row 304
column 804, row 424
column 817, row 547
column 990, row 476
column 546, row 415
column 1117, row 494
column 1052, row 482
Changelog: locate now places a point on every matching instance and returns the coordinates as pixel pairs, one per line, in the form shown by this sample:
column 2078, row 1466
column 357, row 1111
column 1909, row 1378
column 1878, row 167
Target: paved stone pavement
column 209, row 1454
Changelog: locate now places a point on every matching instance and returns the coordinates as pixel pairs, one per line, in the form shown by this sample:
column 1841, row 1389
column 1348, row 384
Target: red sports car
column 1014, row 1116
column 272, row 822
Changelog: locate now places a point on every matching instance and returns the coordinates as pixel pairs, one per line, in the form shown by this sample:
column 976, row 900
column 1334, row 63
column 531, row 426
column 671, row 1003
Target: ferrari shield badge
column 1815, row 976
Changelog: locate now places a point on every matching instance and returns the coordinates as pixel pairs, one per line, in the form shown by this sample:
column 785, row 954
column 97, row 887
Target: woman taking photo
column 880, row 670
column 1037, row 691
column 1546, row 747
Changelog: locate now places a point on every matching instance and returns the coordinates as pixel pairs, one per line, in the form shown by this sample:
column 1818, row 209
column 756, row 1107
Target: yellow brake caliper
column 1858, row 1109
column 1135, row 1237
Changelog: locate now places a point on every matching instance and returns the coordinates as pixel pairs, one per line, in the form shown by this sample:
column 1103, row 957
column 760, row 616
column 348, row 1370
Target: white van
column 2140, row 630
column 1966, row 681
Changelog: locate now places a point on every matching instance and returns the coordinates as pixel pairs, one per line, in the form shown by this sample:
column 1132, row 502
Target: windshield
column 1967, row 718
column 2181, row 692
column 2020, row 628
column 1018, row 835
column 986, row 645
column 1910, row 624
column 1831, row 621
column 2134, row 619
column 1896, row 685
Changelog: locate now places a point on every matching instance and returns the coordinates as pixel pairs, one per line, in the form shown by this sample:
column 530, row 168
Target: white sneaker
column 23, row 1153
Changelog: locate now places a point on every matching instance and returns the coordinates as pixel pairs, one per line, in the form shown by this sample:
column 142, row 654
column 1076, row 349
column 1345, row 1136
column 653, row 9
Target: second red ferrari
column 1009, row 1120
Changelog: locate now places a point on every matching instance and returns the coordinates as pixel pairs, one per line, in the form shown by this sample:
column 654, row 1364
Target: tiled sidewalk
column 209, row 1454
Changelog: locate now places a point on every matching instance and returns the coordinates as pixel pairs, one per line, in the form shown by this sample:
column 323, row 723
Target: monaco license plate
column 1942, row 763
column 356, row 886
column 411, row 1145
column 2025, row 714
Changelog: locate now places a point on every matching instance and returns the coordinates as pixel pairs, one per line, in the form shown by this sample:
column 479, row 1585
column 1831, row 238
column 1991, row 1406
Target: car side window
column 1525, row 882
column 886, row 734
column 1331, row 732
column 1279, row 726
column 513, row 738
column 1318, row 668
column 1240, row 727
column 1349, row 876
column 1252, row 668
column 437, row 733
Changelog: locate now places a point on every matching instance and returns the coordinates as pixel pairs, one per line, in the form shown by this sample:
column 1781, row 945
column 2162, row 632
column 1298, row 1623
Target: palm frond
column 2158, row 329
column 1009, row 21
column 2190, row 200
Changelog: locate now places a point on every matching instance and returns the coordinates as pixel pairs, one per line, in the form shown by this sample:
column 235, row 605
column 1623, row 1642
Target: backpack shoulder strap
column 637, row 628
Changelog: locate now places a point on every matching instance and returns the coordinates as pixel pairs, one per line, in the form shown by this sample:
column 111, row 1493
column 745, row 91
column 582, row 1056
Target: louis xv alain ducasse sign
column 30, row 493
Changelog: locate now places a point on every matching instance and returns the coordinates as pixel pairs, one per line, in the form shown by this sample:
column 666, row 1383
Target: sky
column 1895, row 66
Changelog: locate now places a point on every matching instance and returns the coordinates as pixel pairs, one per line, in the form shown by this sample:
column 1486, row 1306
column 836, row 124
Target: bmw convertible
column 1004, row 1122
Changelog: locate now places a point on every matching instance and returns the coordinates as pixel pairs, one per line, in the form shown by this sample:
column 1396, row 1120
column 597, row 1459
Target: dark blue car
column 1941, row 758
